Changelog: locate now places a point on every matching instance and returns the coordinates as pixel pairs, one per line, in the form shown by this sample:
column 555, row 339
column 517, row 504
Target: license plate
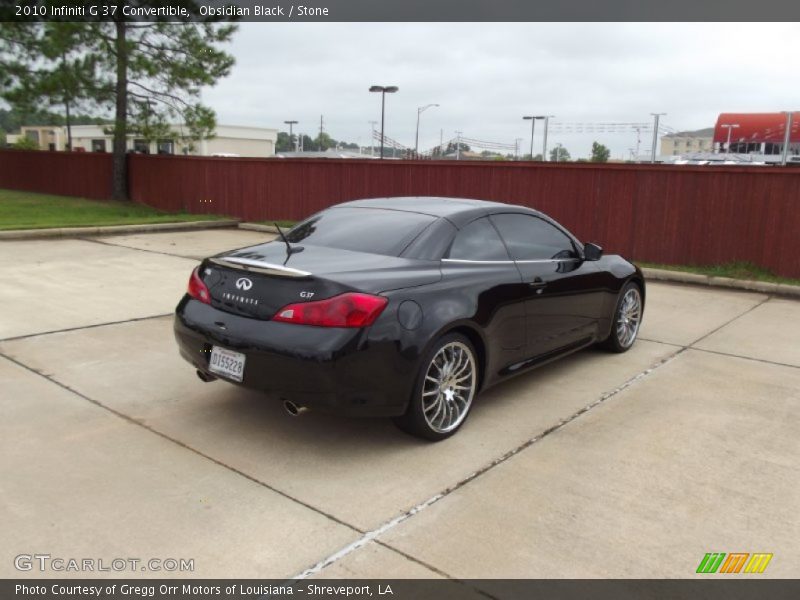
column 227, row 363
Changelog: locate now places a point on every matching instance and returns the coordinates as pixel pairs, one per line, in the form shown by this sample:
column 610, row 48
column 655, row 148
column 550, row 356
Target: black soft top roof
column 459, row 211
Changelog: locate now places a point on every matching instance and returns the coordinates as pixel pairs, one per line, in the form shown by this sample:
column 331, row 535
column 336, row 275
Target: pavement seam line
column 413, row 559
column 761, row 360
column 437, row 570
column 721, row 353
column 373, row 534
column 104, row 243
column 82, row 327
column 643, row 339
column 726, row 323
column 183, row 445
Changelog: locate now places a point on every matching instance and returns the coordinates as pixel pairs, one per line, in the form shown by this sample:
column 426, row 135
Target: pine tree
column 148, row 75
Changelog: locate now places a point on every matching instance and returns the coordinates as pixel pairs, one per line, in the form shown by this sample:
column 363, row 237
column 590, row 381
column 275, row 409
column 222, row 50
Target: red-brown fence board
column 658, row 213
column 79, row 174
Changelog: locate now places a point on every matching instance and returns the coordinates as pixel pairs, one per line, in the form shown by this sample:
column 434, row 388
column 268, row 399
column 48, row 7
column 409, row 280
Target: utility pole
column 656, row 117
column 458, row 145
column 787, row 137
column 320, row 133
column 544, row 144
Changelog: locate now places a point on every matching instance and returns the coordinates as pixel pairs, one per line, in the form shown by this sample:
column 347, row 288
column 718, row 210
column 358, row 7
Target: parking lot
column 600, row 465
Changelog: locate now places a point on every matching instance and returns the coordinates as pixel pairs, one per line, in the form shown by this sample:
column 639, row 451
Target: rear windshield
column 370, row 230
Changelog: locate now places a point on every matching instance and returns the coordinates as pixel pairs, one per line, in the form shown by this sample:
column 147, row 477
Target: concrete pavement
column 599, row 465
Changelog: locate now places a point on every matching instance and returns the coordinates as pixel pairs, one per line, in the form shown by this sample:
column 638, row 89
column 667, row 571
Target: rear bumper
column 334, row 370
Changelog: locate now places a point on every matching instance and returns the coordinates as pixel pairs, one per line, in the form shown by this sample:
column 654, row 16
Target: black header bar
column 332, row 11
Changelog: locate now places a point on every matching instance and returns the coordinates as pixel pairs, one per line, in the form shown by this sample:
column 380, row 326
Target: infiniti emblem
column 243, row 283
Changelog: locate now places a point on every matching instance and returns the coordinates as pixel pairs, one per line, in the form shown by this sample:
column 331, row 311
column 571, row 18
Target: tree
column 148, row 74
column 451, row 147
column 283, row 143
column 46, row 65
column 559, row 154
column 324, row 142
column 306, row 143
column 25, row 143
column 600, row 153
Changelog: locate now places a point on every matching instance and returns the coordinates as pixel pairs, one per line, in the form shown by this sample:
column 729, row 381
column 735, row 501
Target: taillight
column 347, row 310
column 197, row 289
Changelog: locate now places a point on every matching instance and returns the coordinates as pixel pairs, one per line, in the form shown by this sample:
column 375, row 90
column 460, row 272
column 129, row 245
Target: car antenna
column 289, row 248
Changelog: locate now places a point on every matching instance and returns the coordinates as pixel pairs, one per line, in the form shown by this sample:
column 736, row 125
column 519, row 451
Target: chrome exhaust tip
column 293, row 409
column 205, row 377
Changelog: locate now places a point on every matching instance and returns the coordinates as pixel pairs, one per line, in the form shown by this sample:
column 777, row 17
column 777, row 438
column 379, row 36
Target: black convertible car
column 404, row 307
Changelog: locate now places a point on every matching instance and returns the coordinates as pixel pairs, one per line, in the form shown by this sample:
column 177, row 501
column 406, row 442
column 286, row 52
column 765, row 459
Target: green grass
column 26, row 210
column 734, row 270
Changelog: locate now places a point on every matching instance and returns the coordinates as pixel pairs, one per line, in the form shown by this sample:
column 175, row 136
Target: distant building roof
column 464, row 155
column 756, row 127
column 708, row 132
column 330, row 153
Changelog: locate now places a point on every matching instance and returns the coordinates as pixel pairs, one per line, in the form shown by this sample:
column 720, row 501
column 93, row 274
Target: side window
column 531, row 238
column 478, row 241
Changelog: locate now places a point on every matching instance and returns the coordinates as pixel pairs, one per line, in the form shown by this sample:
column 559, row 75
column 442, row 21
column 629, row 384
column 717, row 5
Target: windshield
column 370, row 230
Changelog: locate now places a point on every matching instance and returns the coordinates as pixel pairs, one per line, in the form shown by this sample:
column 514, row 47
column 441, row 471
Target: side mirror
column 592, row 251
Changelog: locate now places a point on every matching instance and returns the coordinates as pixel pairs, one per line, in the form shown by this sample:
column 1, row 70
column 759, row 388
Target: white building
column 684, row 142
column 230, row 140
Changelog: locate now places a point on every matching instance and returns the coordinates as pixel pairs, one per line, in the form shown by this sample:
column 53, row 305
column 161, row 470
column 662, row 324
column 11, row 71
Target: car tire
column 446, row 386
column 626, row 319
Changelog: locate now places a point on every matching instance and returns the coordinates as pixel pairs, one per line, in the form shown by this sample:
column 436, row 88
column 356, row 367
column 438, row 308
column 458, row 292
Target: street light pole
column 544, row 144
column 730, row 127
column 383, row 89
column 458, row 145
column 656, row 117
column 420, row 110
column 291, row 135
column 533, row 120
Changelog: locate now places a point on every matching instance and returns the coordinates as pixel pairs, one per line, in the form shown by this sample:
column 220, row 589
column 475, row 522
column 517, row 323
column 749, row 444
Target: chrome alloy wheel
column 449, row 387
column 629, row 317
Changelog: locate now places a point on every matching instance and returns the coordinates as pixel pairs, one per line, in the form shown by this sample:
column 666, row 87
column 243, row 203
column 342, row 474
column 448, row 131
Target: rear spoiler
column 259, row 266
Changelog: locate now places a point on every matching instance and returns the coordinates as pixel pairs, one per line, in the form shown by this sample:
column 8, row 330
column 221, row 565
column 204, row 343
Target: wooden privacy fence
column 78, row 174
column 656, row 213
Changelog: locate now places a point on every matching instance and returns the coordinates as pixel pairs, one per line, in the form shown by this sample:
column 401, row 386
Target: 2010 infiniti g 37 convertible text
column 404, row 307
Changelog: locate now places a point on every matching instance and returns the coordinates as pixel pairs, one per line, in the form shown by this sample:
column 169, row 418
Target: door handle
column 538, row 282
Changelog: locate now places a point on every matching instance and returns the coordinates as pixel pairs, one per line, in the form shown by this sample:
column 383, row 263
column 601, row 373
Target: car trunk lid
column 259, row 280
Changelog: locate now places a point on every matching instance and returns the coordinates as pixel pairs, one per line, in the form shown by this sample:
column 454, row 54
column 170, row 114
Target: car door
column 558, row 315
column 489, row 281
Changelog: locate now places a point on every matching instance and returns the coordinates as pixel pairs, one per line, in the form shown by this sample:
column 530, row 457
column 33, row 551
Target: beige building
column 47, row 137
column 230, row 140
column 687, row 142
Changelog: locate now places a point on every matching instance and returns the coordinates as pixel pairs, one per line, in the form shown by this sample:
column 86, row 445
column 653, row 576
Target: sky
column 486, row 76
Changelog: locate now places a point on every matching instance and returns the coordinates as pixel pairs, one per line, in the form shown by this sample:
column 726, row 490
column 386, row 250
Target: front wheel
column 446, row 385
column 626, row 321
